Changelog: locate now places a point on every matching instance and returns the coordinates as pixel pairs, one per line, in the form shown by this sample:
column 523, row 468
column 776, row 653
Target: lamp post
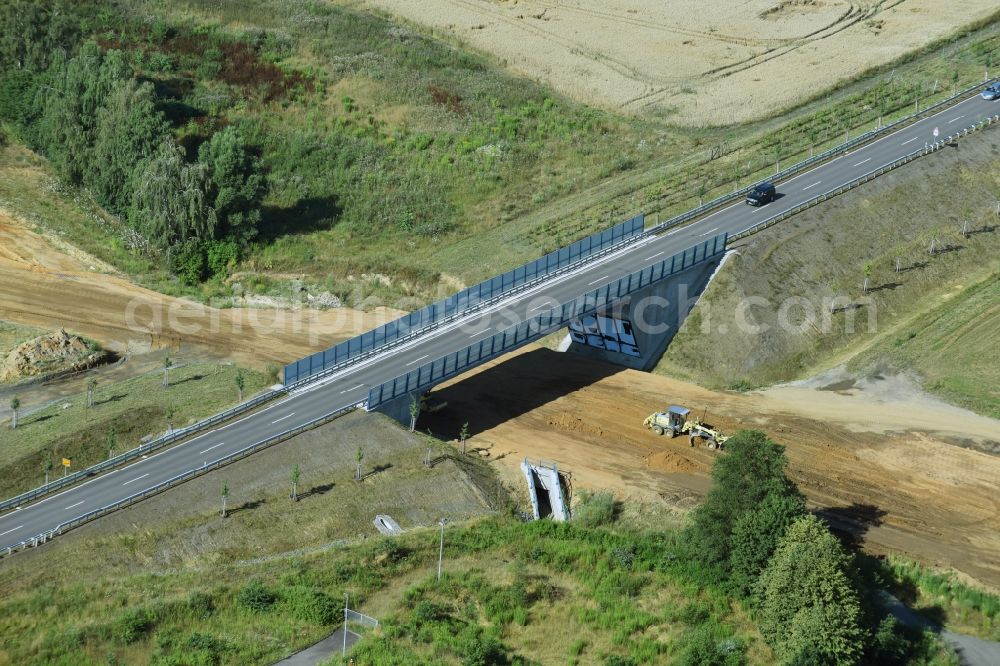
column 441, row 547
column 345, row 625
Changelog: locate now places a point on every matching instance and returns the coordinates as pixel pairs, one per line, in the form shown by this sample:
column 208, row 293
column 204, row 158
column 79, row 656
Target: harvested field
column 888, row 466
column 690, row 59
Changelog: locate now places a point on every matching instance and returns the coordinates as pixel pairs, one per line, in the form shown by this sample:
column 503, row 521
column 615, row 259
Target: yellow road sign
column 66, row 462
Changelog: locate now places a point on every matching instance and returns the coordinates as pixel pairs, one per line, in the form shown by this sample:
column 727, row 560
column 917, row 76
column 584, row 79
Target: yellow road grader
column 677, row 420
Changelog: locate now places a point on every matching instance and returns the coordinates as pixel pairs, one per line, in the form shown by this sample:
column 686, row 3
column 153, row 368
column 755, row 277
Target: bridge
column 605, row 274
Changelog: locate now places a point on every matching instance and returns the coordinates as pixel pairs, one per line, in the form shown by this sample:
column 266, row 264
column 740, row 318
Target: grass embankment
column 123, row 413
column 392, row 153
column 826, row 252
column 951, row 346
column 169, row 581
column 151, row 582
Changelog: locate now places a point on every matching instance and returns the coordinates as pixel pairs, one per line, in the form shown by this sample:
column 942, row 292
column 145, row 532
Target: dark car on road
column 762, row 194
column 991, row 92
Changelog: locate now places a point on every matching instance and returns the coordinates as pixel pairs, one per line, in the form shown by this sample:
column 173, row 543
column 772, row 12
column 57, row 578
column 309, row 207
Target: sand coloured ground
column 893, row 471
column 50, row 285
column 698, row 62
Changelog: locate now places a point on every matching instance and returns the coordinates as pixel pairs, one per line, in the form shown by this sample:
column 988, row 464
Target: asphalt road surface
column 350, row 386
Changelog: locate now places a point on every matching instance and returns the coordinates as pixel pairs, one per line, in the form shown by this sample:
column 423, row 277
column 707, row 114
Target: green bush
column 594, row 509
column 311, row 605
column 707, row 645
column 256, row 597
column 200, row 604
column 484, row 651
column 132, row 625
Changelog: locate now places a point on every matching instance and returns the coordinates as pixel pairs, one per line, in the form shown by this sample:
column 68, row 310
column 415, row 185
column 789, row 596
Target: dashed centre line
column 71, row 506
column 417, row 360
column 909, row 140
column 214, row 446
column 813, row 185
column 863, row 161
column 283, row 418
column 12, row 530
column 605, row 277
column 138, row 477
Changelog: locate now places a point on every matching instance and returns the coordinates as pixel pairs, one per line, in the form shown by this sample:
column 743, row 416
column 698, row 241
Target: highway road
column 350, row 386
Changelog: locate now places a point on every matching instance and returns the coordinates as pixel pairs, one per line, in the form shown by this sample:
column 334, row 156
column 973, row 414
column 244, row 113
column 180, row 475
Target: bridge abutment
column 399, row 408
column 637, row 329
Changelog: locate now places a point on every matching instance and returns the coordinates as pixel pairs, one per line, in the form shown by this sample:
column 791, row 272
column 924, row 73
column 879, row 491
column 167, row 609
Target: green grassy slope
column 953, row 347
column 395, row 153
column 123, row 413
column 822, row 254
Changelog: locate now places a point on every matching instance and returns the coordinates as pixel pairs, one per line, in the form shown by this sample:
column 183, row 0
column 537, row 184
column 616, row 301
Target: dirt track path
column 59, row 287
column 905, row 489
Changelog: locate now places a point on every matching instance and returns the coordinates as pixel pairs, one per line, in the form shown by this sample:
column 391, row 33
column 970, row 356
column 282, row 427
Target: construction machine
column 677, row 420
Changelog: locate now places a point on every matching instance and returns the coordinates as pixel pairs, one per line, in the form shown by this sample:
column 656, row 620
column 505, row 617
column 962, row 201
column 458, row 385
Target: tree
column 111, row 442
column 91, row 387
column 74, row 91
column 128, row 131
column 868, row 274
column 295, row 483
column 358, row 457
column 756, row 535
column 241, row 383
column 167, row 364
column 236, row 185
column 463, row 434
column 15, row 404
column 225, row 495
column 33, row 31
column 414, row 412
column 753, row 469
column 810, row 610
column 169, row 199
column 169, row 414
column 47, row 466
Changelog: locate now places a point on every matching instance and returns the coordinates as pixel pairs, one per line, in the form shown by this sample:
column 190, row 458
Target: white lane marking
column 954, row 119
column 813, row 185
column 863, row 161
column 417, row 360
column 604, row 277
column 548, row 284
column 283, row 418
column 658, row 254
column 169, row 449
column 74, row 505
column 140, row 477
column 909, row 140
column 13, row 530
column 214, row 446
column 710, row 231
column 544, row 305
column 345, row 391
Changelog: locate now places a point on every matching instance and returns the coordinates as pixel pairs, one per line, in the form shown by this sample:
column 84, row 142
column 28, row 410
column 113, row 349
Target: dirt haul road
column 45, row 283
column 905, row 489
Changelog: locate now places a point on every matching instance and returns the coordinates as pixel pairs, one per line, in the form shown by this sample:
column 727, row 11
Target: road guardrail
column 139, row 451
column 885, row 168
column 177, row 480
column 819, row 158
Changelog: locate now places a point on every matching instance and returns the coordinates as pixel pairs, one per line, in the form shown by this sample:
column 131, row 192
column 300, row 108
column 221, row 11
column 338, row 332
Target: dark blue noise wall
column 466, row 299
column 541, row 325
